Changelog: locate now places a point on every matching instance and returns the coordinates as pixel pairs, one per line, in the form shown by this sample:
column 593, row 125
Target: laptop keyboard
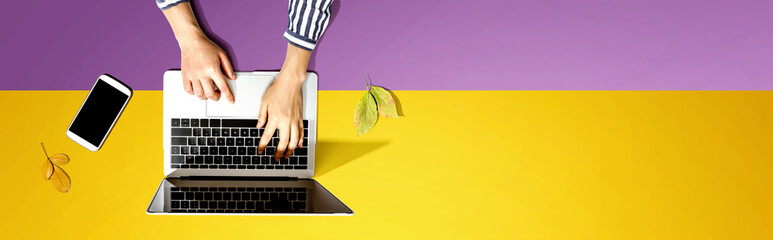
column 229, row 144
column 238, row 200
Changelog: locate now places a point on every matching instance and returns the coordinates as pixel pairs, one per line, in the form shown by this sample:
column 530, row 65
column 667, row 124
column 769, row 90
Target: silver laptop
column 211, row 161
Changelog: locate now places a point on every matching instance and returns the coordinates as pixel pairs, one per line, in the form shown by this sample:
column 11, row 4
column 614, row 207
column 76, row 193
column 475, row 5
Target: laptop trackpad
column 248, row 92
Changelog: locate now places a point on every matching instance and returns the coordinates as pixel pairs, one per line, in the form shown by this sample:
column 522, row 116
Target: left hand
column 282, row 110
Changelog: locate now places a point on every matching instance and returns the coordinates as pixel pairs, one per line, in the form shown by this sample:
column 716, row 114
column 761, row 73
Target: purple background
column 410, row 45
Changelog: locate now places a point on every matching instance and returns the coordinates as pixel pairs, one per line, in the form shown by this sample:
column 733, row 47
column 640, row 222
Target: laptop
column 211, row 162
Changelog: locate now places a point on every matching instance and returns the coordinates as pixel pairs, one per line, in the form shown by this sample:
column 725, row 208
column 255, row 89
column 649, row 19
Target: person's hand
column 203, row 64
column 282, row 110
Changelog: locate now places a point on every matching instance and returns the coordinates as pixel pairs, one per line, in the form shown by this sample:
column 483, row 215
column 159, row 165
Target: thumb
column 229, row 70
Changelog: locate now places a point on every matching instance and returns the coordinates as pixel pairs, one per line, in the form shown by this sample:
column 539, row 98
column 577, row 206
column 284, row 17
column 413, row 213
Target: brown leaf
column 60, row 180
column 48, row 170
column 60, row 159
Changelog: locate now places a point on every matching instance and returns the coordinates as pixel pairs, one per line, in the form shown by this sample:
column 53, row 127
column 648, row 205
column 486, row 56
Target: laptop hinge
column 237, row 178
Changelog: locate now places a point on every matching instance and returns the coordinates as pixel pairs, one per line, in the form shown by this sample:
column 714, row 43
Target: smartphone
column 99, row 112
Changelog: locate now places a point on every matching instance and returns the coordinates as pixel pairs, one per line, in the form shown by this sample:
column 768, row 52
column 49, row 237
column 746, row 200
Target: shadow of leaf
column 333, row 154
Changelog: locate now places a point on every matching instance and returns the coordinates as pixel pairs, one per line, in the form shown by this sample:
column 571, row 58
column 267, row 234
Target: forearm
column 296, row 61
column 183, row 23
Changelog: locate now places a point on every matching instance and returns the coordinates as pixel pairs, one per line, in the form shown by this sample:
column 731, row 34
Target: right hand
column 202, row 61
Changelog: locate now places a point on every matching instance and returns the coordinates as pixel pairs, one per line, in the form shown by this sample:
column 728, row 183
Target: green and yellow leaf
column 385, row 102
column 365, row 114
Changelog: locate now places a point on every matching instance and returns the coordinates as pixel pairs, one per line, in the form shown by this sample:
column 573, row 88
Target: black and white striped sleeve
column 306, row 22
column 166, row 4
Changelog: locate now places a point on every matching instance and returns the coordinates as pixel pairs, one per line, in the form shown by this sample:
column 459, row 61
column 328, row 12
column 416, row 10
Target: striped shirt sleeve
column 306, row 22
column 166, row 4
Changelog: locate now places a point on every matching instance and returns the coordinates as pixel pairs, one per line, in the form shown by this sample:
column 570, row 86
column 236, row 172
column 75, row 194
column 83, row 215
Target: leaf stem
column 366, row 82
column 44, row 151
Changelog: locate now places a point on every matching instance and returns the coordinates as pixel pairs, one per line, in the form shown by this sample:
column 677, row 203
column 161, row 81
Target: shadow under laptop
column 334, row 154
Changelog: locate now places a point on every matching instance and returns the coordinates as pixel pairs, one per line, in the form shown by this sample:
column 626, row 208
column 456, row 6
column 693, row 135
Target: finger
column 229, row 70
column 266, row 137
column 222, row 84
column 284, row 137
column 300, row 139
column 197, row 90
column 262, row 114
column 293, row 141
column 209, row 90
column 187, row 85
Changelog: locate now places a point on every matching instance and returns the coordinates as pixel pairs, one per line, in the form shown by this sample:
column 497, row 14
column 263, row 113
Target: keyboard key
column 179, row 141
column 302, row 160
column 182, row 132
column 175, row 150
column 299, row 167
column 222, row 150
column 191, row 141
column 265, row 160
column 211, row 141
column 240, row 123
column 184, row 150
column 184, row 204
column 234, row 132
column 254, row 132
column 301, row 151
column 204, row 151
column 201, row 141
column 175, row 165
column 249, row 142
column 293, row 160
column 218, row 160
column 305, row 123
column 215, row 132
column 239, row 141
column 213, row 150
column 185, row 122
column 197, row 132
column 225, row 132
column 208, row 159
column 237, row 160
column 227, row 159
column 221, row 141
column 195, row 150
column 270, row 151
column 194, row 122
column 242, row 151
column 244, row 132
column 206, row 132
column 229, row 142
column 252, row 151
column 189, row 159
column 175, row 122
column 231, row 150
column 178, row 159
column 257, row 141
column 214, row 122
column 255, row 160
column 199, row 159
column 204, row 122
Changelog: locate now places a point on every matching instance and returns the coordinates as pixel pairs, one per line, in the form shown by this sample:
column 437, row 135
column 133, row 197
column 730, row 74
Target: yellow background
column 460, row 164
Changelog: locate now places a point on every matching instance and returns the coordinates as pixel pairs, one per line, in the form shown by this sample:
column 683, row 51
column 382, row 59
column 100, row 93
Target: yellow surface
column 461, row 164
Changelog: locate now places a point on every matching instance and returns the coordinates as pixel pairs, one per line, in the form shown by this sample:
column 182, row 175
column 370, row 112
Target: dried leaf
column 60, row 180
column 365, row 114
column 60, row 159
column 385, row 102
column 48, row 170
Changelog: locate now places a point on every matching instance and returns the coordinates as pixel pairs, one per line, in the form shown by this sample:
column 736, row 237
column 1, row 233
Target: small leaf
column 59, row 159
column 48, row 170
column 365, row 114
column 60, row 180
column 385, row 102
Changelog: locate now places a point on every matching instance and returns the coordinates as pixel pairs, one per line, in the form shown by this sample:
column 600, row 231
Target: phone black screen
column 98, row 113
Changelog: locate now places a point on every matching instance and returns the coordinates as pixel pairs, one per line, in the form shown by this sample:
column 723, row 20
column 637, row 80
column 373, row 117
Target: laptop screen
column 299, row 196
